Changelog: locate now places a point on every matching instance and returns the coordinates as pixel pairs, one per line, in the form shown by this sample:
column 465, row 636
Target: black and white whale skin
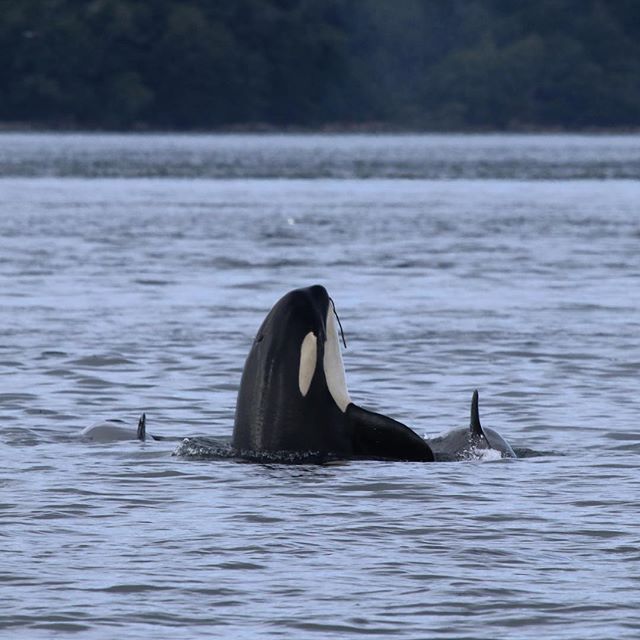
column 293, row 404
column 470, row 443
column 116, row 430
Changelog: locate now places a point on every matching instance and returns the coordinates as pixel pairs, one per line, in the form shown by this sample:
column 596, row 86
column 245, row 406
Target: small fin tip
column 142, row 427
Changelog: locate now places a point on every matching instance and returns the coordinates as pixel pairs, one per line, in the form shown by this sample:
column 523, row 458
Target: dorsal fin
column 474, row 425
column 142, row 427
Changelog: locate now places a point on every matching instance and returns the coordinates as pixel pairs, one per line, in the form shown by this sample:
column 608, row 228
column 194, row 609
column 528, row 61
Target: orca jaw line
column 333, row 365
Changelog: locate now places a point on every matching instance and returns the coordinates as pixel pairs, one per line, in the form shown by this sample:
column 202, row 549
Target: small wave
column 201, row 448
column 485, row 455
column 100, row 361
column 525, row 452
column 152, row 282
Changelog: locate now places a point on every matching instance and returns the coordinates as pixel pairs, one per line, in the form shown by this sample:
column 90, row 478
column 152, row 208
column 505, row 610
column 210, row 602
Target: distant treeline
column 425, row 64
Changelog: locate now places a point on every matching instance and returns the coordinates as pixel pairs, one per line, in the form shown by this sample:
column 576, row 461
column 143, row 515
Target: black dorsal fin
column 474, row 425
column 142, row 427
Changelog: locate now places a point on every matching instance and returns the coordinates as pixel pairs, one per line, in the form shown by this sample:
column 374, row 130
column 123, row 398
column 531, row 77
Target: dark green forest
column 408, row 64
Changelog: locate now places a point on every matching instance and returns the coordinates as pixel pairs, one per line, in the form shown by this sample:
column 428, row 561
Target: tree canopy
column 423, row 64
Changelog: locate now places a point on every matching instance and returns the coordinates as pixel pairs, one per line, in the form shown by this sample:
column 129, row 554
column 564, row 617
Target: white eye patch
column 308, row 358
column 333, row 367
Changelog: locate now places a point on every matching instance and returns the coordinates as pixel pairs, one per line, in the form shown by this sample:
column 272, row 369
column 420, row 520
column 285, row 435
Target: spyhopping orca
column 115, row 430
column 469, row 444
column 293, row 402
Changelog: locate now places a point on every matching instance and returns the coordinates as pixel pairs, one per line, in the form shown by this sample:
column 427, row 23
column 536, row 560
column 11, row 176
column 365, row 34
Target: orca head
column 293, row 387
column 303, row 325
column 293, row 394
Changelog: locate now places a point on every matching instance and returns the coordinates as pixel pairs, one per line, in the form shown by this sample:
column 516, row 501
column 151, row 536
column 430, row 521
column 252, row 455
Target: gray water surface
column 134, row 280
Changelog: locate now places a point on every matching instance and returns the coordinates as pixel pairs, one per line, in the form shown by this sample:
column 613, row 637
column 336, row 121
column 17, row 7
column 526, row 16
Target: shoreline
column 372, row 128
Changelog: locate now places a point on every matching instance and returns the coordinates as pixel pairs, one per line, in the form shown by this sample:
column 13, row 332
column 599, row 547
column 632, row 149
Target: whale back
column 472, row 442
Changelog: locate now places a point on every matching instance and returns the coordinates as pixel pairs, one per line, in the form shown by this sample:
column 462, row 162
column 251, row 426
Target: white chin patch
column 308, row 358
column 333, row 367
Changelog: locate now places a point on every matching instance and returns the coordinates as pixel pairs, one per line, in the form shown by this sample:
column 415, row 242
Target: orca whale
column 115, row 430
column 293, row 403
column 470, row 443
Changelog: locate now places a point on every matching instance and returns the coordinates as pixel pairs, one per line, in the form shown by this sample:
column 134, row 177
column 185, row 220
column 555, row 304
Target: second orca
column 470, row 443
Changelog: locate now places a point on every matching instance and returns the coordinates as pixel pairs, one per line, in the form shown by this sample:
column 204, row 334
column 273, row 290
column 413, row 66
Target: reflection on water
column 429, row 157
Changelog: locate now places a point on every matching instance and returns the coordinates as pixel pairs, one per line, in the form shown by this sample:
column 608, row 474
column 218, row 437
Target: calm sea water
column 134, row 272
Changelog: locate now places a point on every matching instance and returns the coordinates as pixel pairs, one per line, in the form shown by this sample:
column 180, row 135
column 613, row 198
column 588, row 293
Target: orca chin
column 293, row 404
column 473, row 443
